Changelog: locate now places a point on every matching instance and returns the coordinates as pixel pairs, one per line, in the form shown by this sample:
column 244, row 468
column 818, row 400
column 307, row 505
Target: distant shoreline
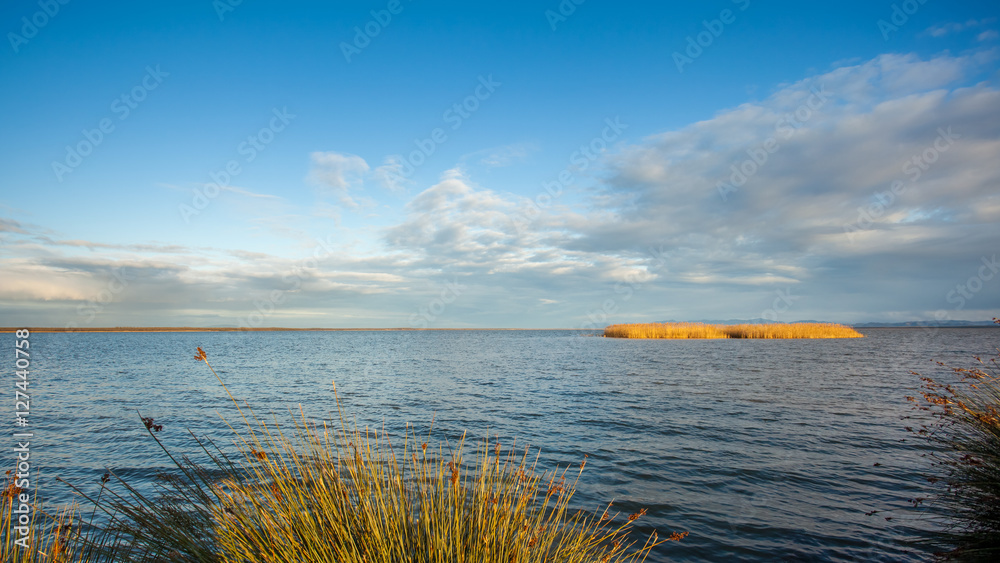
column 390, row 329
column 262, row 329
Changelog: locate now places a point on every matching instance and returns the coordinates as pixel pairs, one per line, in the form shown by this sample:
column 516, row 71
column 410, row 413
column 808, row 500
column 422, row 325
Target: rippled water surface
column 762, row 450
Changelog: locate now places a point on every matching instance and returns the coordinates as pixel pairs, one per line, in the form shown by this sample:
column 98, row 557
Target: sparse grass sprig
column 62, row 537
column 966, row 430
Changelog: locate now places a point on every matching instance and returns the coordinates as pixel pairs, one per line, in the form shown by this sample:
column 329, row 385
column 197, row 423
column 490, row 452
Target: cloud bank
column 867, row 192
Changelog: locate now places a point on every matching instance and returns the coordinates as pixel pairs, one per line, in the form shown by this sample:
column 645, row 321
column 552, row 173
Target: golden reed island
column 701, row 330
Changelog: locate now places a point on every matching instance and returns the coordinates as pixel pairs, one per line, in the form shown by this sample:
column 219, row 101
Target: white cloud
column 503, row 156
column 339, row 173
column 248, row 193
column 390, row 174
column 793, row 209
column 944, row 29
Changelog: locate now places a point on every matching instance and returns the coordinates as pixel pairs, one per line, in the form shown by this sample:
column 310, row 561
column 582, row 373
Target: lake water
column 761, row 449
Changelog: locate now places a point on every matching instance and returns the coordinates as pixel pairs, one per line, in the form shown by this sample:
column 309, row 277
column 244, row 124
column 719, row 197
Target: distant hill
column 940, row 324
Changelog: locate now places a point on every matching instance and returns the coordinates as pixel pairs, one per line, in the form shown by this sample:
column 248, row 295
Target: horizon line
column 870, row 324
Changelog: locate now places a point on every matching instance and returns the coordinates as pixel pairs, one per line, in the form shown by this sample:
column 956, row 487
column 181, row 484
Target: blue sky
column 542, row 164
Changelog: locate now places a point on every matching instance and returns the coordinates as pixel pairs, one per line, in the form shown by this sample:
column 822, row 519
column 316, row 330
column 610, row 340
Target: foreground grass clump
column 340, row 493
column 701, row 330
column 966, row 430
column 45, row 545
column 52, row 538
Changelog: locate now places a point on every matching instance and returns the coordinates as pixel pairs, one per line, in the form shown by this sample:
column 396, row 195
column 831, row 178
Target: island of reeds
column 702, row 330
